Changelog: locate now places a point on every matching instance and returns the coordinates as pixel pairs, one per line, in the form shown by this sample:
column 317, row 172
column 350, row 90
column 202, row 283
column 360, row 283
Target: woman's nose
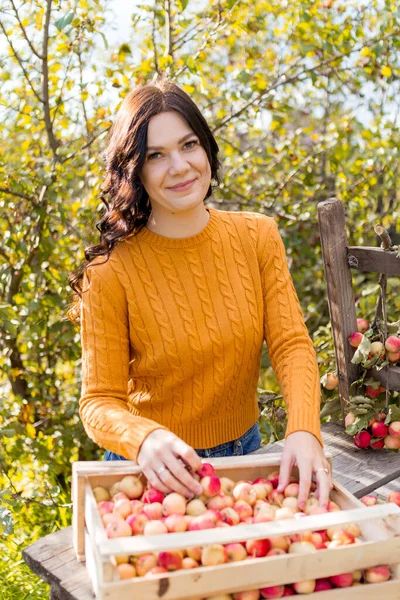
column 178, row 164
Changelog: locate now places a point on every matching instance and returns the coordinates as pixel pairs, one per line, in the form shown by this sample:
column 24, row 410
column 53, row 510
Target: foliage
column 303, row 99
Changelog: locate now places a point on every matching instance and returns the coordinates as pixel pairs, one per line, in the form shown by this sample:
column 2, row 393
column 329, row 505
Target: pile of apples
column 129, row 508
column 371, row 500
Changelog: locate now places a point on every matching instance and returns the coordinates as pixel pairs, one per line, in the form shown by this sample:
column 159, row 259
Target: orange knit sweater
column 172, row 331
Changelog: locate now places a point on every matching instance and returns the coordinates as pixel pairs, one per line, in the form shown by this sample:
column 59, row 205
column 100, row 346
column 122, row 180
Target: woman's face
column 174, row 157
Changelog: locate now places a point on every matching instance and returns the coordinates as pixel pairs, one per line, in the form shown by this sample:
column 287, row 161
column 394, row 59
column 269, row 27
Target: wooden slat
column 257, row 573
column 78, row 513
column 172, row 541
column 339, row 290
column 373, row 260
column 103, row 568
column 389, row 378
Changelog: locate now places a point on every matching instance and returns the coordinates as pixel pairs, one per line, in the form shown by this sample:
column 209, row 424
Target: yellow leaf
column 366, row 51
column 30, row 430
column 386, row 71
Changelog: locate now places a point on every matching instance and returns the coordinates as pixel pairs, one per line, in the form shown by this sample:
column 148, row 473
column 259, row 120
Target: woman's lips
column 185, row 186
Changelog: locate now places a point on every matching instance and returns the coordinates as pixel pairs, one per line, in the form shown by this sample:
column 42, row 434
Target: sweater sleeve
column 291, row 351
column 103, row 405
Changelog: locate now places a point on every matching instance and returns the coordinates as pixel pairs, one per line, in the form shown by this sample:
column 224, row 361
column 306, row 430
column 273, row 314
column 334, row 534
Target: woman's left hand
column 304, row 450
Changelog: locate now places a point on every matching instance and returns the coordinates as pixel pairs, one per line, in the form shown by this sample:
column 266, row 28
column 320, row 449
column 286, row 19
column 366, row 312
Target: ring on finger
column 322, row 469
column 161, row 470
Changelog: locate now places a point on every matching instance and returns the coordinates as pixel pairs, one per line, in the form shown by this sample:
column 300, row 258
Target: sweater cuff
column 131, row 441
column 301, row 421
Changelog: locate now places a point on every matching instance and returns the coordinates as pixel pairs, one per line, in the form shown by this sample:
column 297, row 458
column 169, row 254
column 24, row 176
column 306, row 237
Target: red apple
column 206, row 470
column 394, row 429
column 174, row 504
column 152, row 495
column 379, row 429
column 126, row 571
column 243, row 509
column 392, row 344
column 211, row 485
column 322, row 585
column 362, row 439
column 391, row 442
column 230, row 516
column 154, row 528
column 249, row 595
column 170, row 560
column 331, row 381
column 355, row 339
column 175, row 523
column 369, row 500
column 105, row 507
column 274, row 478
column 137, row 523
column 378, row 445
column 118, row 528
column 144, row 563
column 215, row 554
column 362, row 325
column 137, row 506
column 394, row 497
column 201, row 522
column 189, row 563
column 258, row 548
column 275, row 591
column 235, row 552
column 342, row 580
column 153, row 511
column 377, row 574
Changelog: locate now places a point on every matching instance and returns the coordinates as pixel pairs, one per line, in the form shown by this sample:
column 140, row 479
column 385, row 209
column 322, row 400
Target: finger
column 168, row 479
column 182, row 475
column 305, row 483
column 187, row 453
column 284, row 472
column 324, row 488
column 155, row 481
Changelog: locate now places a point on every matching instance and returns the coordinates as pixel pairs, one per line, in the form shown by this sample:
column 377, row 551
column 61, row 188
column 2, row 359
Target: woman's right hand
column 162, row 457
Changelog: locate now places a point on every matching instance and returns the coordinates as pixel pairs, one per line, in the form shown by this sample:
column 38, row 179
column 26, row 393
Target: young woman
column 175, row 303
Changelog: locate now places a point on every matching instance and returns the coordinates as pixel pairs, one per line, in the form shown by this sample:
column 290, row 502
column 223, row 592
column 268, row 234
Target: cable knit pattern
column 172, row 332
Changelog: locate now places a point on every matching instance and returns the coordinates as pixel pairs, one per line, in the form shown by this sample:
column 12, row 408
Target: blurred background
column 303, row 98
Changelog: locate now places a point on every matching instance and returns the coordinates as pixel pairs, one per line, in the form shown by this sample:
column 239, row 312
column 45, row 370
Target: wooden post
column 332, row 227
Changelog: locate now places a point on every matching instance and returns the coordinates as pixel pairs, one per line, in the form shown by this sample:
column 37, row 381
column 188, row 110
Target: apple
column 206, row 470
column 194, row 552
column 195, row 507
column 379, row 429
column 137, row 523
column 211, row 485
column 261, row 490
column 322, row 585
column 126, row 571
column 275, row 591
column 282, row 542
column 291, row 490
column 201, row 522
column 227, row 486
column 144, row 563
column 137, row 506
column 350, row 418
column 114, row 489
column 288, row 591
column 275, row 552
column 235, row 552
column 275, row 497
column 291, row 502
column 362, row 325
column 155, row 528
column 332, row 506
column 344, row 537
column 218, row 502
column 131, row 486
column 378, row 445
column 304, row 587
column 230, row 516
column 101, row 494
column 355, row 339
column 175, row 523
column 394, row 497
column 174, row 504
column 393, row 356
column 153, row 511
column 243, row 509
column 214, row 515
column 369, row 500
column 377, row 574
column 376, row 348
column 189, row 563
column 105, row 507
column 392, row 344
column 215, row 554
column 362, row 439
column 331, row 381
column 245, row 491
column 274, row 478
column 170, row 560
column 122, row 507
column 357, row 575
column 264, row 482
column 301, row 548
column 249, row 595
column 391, row 442
column 152, row 495
column 394, row 429
column 257, row 548
column 110, row 518
column 120, row 496
column 118, row 528
column 342, row 580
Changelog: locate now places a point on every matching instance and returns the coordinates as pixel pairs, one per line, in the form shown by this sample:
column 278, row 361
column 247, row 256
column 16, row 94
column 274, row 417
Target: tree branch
column 31, row 46
column 17, row 194
column 18, row 58
column 153, row 38
column 54, row 143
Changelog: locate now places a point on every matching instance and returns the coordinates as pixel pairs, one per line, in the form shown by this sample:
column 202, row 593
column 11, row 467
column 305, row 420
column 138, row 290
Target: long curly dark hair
column 127, row 205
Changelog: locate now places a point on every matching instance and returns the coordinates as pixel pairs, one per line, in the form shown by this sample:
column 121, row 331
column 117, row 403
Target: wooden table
column 53, row 558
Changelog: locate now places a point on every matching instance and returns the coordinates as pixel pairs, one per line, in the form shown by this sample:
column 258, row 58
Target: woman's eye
column 150, row 156
column 192, row 142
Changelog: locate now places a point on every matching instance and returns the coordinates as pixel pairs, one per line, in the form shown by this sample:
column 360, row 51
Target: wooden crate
column 380, row 527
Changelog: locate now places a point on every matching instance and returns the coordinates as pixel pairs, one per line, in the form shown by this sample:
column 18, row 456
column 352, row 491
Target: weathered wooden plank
column 374, row 260
column 340, row 295
column 390, row 378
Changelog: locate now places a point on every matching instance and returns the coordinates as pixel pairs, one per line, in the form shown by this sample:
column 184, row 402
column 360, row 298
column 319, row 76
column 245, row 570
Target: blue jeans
column 248, row 442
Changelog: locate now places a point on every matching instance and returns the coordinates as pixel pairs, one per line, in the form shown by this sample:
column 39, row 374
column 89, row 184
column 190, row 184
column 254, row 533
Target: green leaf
column 65, row 20
column 359, row 424
column 361, row 354
column 104, row 40
column 331, row 408
column 393, row 414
